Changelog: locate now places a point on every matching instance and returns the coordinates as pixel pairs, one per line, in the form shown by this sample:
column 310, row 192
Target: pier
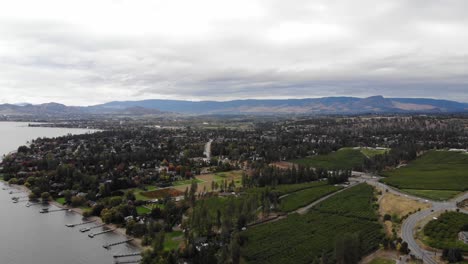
column 18, row 197
column 100, row 233
column 128, row 261
column 32, row 203
column 46, row 210
column 86, row 229
column 108, row 246
column 127, row 255
column 82, row 223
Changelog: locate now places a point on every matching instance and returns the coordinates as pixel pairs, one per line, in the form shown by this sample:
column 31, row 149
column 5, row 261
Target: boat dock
column 86, row 229
column 82, row 223
column 46, row 210
column 100, row 233
column 108, row 246
column 128, row 261
column 127, row 255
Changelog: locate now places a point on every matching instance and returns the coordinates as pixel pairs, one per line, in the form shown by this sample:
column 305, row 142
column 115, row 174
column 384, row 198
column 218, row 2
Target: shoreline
column 136, row 242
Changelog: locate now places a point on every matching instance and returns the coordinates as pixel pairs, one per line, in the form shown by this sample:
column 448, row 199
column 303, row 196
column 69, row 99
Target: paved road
column 410, row 223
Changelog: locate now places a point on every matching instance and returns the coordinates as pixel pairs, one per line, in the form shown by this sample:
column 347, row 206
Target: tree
column 45, row 196
column 68, row 196
column 235, row 249
column 452, row 255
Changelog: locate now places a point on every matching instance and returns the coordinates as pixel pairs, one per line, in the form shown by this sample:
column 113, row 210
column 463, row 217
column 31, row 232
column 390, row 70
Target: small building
column 463, row 236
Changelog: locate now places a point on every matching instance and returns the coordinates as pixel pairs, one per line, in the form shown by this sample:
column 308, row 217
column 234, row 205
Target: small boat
column 44, row 210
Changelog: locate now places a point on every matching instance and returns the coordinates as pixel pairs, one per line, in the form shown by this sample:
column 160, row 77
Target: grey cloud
column 307, row 49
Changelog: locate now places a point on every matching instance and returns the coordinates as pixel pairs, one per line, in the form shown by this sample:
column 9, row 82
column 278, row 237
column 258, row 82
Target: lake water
column 29, row 237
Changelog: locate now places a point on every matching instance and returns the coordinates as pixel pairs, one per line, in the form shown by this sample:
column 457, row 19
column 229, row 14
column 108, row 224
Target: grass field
column 397, row 206
column 60, row 200
column 303, row 238
column 382, row 261
column 371, row 152
column 302, row 198
column 172, row 240
column 186, row 182
column 204, row 181
column 435, row 170
column 141, row 210
column 345, row 158
column 436, row 195
column 443, row 232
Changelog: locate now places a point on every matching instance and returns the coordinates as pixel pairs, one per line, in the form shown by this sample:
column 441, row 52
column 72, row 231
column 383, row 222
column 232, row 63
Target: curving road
column 409, row 225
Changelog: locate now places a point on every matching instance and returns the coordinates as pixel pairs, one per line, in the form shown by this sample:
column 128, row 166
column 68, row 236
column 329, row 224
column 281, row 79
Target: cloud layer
column 87, row 52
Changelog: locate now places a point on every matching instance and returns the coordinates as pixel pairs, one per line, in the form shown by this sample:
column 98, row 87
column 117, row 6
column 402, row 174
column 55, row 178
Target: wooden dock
column 86, row 229
column 108, row 246
column 101, row 233
column 127, row 255
column 128, row 261
column 46, row 211
column 82, row 223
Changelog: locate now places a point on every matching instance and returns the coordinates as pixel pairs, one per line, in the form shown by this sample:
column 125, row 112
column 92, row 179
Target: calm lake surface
column 29, row 237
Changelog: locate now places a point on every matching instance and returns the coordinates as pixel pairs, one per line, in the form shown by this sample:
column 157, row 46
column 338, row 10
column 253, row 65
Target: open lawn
column 382, row 261
column 302, row 198
column 60, row 200
column 345, row 158
column 172, row 240
column 162, row 193
column 371, row 152
column 204, row 181
column 142, row 210
column 303, row 238
column 435, row 170
column 186, row 182
column 443, row 232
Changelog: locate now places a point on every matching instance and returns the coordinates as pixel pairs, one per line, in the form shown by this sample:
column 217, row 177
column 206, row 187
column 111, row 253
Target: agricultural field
column 435, row 170
column 356, row 202
column 283, row 189
column 443, row 232
column 345, row 158
column 302, row 198
column 305, row 237
column 436, row 195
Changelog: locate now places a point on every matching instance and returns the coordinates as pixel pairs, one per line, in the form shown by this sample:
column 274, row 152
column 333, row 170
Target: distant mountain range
column 326, row 105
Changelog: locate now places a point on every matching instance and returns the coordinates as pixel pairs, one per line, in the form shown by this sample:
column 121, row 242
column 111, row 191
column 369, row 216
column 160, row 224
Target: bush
column 387, row 217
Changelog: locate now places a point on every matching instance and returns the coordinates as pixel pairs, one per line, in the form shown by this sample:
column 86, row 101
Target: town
column 201, row 190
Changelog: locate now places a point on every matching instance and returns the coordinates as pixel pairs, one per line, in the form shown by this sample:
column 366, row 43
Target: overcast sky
column 92, row 51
